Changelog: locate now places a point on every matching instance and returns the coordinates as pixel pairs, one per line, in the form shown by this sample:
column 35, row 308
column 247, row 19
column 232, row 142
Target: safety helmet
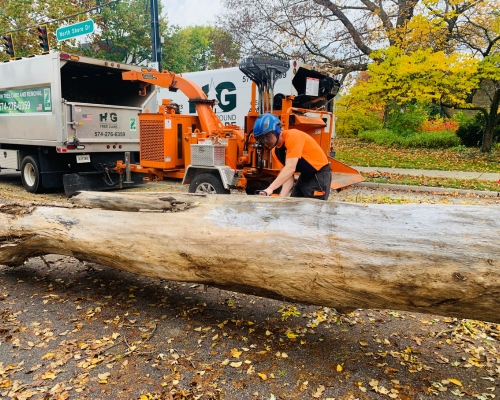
column 266, row 123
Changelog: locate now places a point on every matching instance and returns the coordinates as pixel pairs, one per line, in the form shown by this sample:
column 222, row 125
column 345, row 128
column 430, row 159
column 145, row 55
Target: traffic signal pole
column 155, row 33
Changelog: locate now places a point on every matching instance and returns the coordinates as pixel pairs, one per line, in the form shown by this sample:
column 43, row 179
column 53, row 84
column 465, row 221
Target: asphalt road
column 78, row 330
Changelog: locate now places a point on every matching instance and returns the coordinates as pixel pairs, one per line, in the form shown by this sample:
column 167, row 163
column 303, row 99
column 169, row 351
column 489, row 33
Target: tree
column 342, row 37
column 337, row 37
column 124, row 32
column 414, row 257
column 21, row 17
column 122, row 27
column 424, row 75
column 198, row 48
column 356, row 111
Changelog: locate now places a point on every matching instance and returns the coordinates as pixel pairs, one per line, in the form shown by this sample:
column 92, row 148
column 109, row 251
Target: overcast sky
column 191, row 12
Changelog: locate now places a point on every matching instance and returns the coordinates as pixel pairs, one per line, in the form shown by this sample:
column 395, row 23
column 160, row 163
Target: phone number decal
column 16, row 106
column 109, row 134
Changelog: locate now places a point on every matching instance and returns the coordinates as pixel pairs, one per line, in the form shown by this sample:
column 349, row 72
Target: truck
column 65, row 119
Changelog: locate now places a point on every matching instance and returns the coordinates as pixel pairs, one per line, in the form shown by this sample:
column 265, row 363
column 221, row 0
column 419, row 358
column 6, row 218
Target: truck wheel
column 30, row 174
column 207, row 184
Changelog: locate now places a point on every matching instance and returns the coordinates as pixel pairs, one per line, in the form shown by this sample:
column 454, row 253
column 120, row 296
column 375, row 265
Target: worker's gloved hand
column 266, row 192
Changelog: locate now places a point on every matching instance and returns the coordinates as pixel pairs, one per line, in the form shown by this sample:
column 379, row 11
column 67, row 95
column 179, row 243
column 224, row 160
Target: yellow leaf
column 320, row 318
column 49, row 375
column 455, row 381
column 48, row 356
column 268, row 333
column 235, row 353
column 363, row 344
column 5, row 384
column 339, row 368
column 263, row 376
column 291, row 335
column 235, row 364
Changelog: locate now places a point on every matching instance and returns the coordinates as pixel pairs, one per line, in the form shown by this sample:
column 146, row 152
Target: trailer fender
column 227, row 175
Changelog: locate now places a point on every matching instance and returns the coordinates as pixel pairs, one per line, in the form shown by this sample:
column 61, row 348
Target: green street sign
column 71, row 31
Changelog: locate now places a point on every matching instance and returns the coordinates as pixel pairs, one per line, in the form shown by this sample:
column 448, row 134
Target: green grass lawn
column 469, row 184
column 355, row 152
column 352, row 151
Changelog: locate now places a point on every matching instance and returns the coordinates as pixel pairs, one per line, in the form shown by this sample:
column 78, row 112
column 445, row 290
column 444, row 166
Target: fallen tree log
column 438, row 259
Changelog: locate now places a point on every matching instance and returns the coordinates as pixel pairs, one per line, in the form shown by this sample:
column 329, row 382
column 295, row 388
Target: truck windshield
column 95, row 84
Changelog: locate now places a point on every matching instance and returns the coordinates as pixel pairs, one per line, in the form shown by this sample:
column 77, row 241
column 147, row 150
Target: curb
column 428, row 189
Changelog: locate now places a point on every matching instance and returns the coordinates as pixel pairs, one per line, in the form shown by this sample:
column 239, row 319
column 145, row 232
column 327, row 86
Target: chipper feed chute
column 343, row 175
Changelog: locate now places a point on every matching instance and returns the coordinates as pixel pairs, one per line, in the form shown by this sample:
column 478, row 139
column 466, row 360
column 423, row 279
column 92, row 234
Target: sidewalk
column 487, row 176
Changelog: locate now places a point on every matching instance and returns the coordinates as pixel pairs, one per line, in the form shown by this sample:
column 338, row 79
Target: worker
column 296, row 151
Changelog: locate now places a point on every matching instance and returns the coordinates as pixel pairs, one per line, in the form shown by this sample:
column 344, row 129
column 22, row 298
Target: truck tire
column 207, row 184
column 30, row 174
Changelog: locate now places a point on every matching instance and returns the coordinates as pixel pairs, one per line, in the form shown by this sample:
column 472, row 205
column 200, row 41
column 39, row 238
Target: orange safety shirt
column 298, row 144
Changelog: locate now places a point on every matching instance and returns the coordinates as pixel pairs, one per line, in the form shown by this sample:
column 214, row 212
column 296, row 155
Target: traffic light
column 44, row 39
column 9, row 46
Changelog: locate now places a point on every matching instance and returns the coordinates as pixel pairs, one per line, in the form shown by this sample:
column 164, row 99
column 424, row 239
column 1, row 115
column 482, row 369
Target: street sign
column 154, row 65
column 71, row 31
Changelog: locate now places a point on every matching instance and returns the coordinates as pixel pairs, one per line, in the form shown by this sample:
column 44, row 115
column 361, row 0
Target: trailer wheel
column 207, row 184
column 30, row 174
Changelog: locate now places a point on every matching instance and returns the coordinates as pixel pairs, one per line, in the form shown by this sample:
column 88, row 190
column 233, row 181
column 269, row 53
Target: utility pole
column 155, row 34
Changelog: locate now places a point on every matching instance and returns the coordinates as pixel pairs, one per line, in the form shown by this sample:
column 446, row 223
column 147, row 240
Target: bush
column 430, row 140
column 349, row 123
column 437, row 125
column 471, row 131
column 406, row 120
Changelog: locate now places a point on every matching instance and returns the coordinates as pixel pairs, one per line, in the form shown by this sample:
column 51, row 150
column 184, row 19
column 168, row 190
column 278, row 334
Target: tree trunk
column 438, row 259
column 491, row 119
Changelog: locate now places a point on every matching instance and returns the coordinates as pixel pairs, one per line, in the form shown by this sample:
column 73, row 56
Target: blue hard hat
column 266, row 123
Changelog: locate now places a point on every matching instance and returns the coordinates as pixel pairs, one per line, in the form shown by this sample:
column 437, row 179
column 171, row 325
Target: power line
column 111, row 2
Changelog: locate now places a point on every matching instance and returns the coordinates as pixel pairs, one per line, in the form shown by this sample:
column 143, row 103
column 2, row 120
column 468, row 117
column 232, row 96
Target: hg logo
column 104, row 117
column 226, row 99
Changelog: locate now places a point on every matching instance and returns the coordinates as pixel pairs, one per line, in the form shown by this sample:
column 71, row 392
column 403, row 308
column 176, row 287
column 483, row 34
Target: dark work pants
column 311, row 185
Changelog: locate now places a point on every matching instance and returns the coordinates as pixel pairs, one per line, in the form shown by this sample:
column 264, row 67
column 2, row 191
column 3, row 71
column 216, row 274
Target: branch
column 356, row 37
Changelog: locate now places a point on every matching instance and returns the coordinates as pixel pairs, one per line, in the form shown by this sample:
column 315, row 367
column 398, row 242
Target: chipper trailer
column 214, row 158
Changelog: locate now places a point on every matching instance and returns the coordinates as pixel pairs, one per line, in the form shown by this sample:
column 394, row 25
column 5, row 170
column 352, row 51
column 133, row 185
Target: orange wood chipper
column 214, row 158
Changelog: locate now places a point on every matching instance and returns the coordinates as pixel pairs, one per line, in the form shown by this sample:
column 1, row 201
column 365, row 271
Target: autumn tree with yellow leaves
column 443, row 51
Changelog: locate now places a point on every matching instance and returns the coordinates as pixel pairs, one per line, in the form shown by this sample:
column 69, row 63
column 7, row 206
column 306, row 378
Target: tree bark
column 438, row 259
column 491, row 119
